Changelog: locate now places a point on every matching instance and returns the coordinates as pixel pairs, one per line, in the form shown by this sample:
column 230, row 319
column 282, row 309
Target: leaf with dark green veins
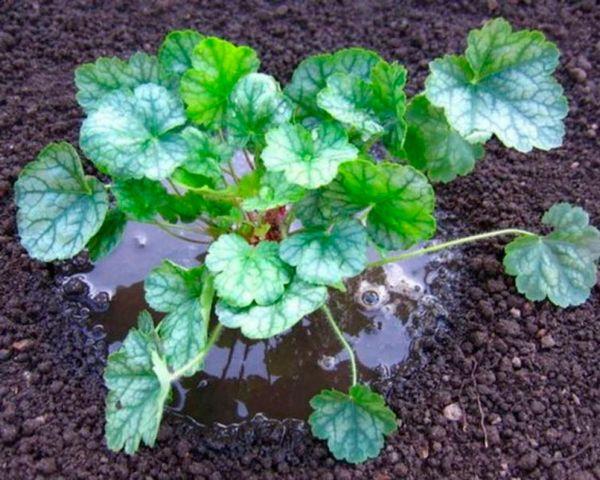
column 255, row 105
column 561, row 265
column 298, row 300
column 175, row 53
column 138, row 385
column 109, row 235
column 354, row 425
column 217, row 67
column 310, row 77
column 59, row 208
column 433, row 146
column 108, row 74
column 140, row 199
column 169, row 285
column 132, row 135
column 502, row 86
column 349, row 100
column 246, row 273
column 399, row 200
column 274, row 191
column 327, row 257
column 307, row 158
column 389, row 103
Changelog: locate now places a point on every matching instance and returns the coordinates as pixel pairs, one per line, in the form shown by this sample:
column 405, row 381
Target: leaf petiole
column 181, row 237
column 451, row 243
column 344, row 342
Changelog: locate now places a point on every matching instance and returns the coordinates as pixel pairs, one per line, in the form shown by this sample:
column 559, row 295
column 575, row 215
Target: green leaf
column 433, row 146
column 138, row 385
column 327, row 257
column 349, row 100
column 246, row 273
column 108, row 74
column 274, row 191
column 399, row 200
column 299, row 299
column 217, row 67
column 311, row 76
column 175, row 53
column 389, row 102
column 206, row 153
column 183, row 333
column 307, row 158
column 132, row 135
column 561, row 265
column 140, row 199
column 169, row 285
column 256, row 105
column 503, row 86
column 59, row 208
column 109, row 235
column 354, row 425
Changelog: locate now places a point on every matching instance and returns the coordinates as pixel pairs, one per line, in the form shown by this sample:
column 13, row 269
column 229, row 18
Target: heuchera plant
column 297, row 214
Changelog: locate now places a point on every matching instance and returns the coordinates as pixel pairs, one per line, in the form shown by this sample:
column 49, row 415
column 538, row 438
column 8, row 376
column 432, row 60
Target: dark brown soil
column 526, row 374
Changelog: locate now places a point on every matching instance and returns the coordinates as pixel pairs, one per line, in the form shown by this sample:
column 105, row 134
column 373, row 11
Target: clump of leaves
column 285, row 190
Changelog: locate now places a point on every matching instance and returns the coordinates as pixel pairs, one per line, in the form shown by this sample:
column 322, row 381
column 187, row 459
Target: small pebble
column 453, row 412
column 578, row 74
column 516, row 363
column 548, row 341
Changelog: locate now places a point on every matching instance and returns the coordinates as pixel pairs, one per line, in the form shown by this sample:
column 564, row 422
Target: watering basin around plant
column 382, row 314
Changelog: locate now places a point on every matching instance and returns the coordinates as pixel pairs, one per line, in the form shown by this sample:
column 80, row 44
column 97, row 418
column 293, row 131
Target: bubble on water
column 370, row 298
column 327, row 362
column 202, row 383
column 141, row 240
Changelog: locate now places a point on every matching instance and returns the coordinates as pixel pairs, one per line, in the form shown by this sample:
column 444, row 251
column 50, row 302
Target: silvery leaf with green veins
column 217, row 67
column 59, row 208
column 273, row 191
column 349, row 100
column 138, row 383
column 134, row 135
column 175, row 53
column 310, row 77
column 255, row 106
column 327, row 256
column 179, row 291
column 353, row 424
column 246, row 273
column 169, row 285
column 307, row 158
column 299, row 299
column 319, row 208
column 433, row 146
column 109, row 235
column 502, row 86
column 562, row 265
column 109, row 74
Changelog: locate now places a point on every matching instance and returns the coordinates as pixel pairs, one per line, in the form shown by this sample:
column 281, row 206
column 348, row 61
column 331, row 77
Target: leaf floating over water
column 59, row 208
column 353, row 424
column 560, row 265
column 327, row 257
column 299, row 299
column 246, row 273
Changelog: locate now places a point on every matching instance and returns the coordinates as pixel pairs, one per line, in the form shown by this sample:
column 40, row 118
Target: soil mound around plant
column 511, row 388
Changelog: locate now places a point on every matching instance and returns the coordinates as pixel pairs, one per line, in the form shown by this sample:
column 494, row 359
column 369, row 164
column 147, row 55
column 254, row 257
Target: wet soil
column 511, row 389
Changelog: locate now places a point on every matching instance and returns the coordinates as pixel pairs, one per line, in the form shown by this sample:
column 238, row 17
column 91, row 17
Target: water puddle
column 382, row 314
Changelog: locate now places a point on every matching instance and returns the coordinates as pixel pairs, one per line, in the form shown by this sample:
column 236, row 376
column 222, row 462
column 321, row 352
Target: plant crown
column 288, row 188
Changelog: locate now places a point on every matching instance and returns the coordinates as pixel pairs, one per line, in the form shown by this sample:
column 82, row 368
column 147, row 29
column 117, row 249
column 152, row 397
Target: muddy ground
column 525, row 374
